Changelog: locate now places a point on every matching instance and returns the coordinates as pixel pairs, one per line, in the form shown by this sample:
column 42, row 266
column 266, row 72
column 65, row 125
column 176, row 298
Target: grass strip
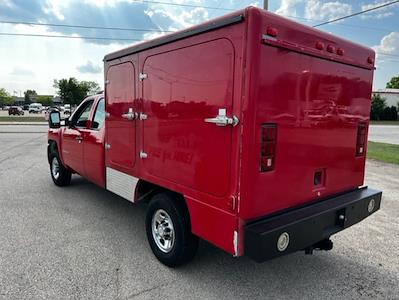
column 383, row 152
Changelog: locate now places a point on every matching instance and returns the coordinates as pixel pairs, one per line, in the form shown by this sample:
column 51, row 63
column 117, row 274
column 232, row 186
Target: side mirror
column 54, row 120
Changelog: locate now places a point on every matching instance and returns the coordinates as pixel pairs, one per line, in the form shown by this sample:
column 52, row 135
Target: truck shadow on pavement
column 118, row 229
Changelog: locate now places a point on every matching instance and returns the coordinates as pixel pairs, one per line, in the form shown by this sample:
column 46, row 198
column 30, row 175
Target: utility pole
column 266, row 4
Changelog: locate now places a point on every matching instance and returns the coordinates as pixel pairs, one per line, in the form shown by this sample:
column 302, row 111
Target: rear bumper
column 308, row 225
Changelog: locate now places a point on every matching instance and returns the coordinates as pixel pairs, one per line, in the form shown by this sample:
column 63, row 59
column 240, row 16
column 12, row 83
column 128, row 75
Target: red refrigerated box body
column 256, row 120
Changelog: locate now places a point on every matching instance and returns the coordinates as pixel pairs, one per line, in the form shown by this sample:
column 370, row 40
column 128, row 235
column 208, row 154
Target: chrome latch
column 143, row 76
column 107, row 146
column 130, row 115
column 143, row 154
column 222, row 120
column 107, row 114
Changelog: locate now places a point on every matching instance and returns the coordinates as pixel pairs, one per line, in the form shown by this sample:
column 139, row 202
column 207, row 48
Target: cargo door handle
column 130, row 115
column 79, row 139
column 222, row 120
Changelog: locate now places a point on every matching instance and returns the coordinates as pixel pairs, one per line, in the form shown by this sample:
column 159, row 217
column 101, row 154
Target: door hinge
column 143, row 76
column 107, row 146
column 143, row 154
column 107, row 82
column 107, row 114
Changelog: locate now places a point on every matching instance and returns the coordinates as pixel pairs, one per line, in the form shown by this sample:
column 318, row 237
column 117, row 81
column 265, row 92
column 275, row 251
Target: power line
column 183, row 5
column 68, row 36
column 165, row 31
column 388, row 54
column 82, row 26
column 357, row 13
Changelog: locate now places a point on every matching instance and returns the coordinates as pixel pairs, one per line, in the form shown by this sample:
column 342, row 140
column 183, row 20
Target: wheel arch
column 145, row 190
column 52, row 146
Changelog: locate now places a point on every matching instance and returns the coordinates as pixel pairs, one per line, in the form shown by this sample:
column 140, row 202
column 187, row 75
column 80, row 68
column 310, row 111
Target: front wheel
column 60, row 175
column 169, row 230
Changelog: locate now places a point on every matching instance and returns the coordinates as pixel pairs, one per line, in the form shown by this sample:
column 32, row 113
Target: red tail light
column 361, row 139
column 268, row 147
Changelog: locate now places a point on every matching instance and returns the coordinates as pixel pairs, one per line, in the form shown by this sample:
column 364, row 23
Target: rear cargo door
column 311, row 110
column 183, row 88
column 120, row 139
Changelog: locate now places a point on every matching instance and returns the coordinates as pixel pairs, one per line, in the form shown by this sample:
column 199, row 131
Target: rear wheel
column 60, row 175
column 169, row 230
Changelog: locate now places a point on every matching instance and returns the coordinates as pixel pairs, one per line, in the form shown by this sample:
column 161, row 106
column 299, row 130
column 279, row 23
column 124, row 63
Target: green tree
column 91, row 86
column 73, row 91
column 45, row 100
column 29, row 96
column 393, row 83
column 6, row 98
column 394, row 113
column 377, row 106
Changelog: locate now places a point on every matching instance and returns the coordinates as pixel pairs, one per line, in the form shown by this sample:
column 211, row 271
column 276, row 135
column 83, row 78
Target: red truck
column 248, row 131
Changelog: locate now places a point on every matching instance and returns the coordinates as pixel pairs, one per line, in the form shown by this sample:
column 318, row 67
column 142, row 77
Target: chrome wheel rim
column 163, row 231
column 55, row 168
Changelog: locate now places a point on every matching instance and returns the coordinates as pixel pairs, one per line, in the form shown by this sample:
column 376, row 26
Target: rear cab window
column 82, row 115
column 99, row 115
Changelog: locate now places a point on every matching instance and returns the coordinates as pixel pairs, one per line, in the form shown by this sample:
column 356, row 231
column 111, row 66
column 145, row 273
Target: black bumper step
column 308, row 225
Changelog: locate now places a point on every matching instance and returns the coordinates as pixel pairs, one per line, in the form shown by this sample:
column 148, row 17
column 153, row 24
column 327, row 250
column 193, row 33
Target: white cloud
column 380, row 13
column 21, row 71
column 316, row 10
column 389, row 45
column 288, row 8
column 90, row 68
column 194, row 16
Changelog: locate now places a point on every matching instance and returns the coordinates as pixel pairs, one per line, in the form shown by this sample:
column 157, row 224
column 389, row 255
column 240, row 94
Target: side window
column 83, row 115
column 99, row 116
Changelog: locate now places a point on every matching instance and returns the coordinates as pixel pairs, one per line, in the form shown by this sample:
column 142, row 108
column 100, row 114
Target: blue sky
column 33, row 62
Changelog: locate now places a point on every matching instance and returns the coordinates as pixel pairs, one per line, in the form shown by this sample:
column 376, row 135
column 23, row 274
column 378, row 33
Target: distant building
column 19, row 101
column 57, row 100
column 391, row 96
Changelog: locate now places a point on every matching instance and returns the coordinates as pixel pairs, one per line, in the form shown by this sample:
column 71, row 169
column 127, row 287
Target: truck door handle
column 222, row 120
column 130, row 115
column 79, row 139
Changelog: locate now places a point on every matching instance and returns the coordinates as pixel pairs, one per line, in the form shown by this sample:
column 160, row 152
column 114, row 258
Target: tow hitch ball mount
column 326, row 245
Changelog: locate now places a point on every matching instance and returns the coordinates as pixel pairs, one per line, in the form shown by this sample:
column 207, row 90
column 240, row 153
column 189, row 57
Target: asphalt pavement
column 384, row 134
column 82, row 242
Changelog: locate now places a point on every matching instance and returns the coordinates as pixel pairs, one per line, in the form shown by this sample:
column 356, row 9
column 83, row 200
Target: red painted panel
column 72, row 149
column 212, row 224
column 93, row 151
column 316, row 104
column 120, row 132
column 184, row 87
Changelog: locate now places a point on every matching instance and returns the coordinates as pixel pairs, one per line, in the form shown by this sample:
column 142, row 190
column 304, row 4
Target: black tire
column 185, row 244
column 64, row 175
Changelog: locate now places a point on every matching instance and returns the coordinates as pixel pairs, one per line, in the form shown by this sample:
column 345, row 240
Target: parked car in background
column 49, row 110
column 5, row 108
column 67, row 109
column 35, row 108
column 26, row 107
column 15, row 110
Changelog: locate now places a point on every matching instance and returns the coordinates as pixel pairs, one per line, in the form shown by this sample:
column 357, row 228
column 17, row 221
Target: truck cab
column 78, row 145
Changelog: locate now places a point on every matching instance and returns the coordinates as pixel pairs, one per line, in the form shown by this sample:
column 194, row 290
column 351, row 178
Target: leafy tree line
column 6, row 98
column 379, row 109
column 71, row 91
